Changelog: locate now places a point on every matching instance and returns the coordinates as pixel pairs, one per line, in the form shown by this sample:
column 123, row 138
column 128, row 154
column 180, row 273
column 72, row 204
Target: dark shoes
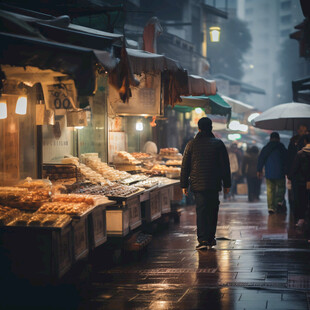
column 206, row 245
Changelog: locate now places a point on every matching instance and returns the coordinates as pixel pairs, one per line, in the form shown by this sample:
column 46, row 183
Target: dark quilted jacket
column 205, row 164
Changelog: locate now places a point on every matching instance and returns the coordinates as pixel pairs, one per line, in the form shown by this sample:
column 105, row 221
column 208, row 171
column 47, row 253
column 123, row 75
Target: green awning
column 211, row 104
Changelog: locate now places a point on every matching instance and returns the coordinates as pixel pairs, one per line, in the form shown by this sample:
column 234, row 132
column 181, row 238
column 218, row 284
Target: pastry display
column 31, row 184
column 22, row 220
column 164, row 169
column 169, row 151
column 10, row 215
column 63, row 172
column 141, row 156
column 97, row 171
column 149, row 183
column 123, row 157
column 115, row 190
column 134, row 178
column 58, row 207
column 41, row 220
column 36, row 219
column 11, row 194
column 172, row 162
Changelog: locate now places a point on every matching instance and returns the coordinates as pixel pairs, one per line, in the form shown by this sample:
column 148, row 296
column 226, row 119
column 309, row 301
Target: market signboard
column 145, row 100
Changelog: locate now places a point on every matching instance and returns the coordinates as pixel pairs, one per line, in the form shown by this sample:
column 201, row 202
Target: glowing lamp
column 215, row 33
column 3, row 110
column 139, row 126
column 21, row 105
column 234, row 136
column 198, row 110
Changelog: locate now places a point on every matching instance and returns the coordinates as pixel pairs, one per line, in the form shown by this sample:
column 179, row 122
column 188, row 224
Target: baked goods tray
column 140, row 191
column 36, row 227
column 102, row 203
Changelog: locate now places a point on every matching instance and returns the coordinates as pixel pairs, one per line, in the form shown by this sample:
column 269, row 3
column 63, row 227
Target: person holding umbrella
column 273, row 158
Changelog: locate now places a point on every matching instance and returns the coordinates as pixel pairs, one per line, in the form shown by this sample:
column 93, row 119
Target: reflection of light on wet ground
column 250, row 269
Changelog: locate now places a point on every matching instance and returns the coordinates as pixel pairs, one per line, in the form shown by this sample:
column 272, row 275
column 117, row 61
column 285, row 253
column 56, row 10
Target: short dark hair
column 274, row 136
column 205, row 124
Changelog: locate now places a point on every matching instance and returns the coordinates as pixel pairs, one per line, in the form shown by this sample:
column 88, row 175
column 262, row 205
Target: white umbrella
column 286, row 116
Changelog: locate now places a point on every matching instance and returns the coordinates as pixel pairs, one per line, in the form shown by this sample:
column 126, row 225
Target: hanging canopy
column 212, row 104
column 78, row 63
column 142, row 61
column 198, row 86
column 237, row 106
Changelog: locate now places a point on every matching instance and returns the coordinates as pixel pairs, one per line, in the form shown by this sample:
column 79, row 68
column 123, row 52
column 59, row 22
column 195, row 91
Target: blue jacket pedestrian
column 273, row 156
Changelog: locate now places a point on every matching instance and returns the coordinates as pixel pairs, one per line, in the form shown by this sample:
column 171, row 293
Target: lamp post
column 215, row 33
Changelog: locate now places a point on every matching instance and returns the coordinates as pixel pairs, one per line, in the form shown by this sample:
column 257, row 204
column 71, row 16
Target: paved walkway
column 260, row 262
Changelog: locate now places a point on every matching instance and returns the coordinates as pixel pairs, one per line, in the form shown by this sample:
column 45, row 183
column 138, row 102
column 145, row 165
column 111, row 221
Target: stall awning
column 142, row 61
column 78, row 63
column 238, row 106
column 214, row 104
column 198, row 86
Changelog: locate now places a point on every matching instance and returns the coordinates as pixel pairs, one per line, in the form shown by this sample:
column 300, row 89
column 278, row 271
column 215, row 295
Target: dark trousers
column 301, row 201
column 253, row 188
column 207, row 208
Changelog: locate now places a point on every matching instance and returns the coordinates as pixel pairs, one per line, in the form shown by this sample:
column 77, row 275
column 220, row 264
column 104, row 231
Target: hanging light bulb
column 3, row 110
column 21, row 105
column 139, row 126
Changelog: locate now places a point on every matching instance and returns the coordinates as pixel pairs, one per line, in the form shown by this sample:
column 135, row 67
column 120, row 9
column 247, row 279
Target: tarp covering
column 142, row 61
column 78, row 63
column 212, row 104
column 198, row 86
column 238, row 106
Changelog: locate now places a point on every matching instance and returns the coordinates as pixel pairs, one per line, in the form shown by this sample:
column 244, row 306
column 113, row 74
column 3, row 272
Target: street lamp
column 215, row 33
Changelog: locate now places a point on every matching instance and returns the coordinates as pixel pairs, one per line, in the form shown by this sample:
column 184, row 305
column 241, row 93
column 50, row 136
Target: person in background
column 206, row 168
column 234, row 169
column 294, row 146
column 249, row 170
column 301, row 176
column 150, row 147
column 273, row 157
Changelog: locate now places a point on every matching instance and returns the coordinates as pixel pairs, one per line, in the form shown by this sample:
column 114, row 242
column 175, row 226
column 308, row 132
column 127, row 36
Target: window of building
column 286, row 5
column 285, row 33
column 286, row 19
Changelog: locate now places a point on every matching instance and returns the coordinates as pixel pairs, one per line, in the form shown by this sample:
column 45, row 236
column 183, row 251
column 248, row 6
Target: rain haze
column 155, row 154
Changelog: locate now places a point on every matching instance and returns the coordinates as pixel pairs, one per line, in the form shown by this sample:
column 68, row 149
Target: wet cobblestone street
column 260, row 262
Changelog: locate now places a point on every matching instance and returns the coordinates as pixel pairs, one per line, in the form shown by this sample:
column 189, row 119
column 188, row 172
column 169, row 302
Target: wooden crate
column 134, row 208
column 80, row 238
column 117, row 221
column 38, row 253
column 165, row 200
column 152, row 207
column 97, row 227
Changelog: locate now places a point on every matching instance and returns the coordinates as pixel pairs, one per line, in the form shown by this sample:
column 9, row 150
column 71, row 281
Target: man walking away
column 273, row 157
column 205, row 167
